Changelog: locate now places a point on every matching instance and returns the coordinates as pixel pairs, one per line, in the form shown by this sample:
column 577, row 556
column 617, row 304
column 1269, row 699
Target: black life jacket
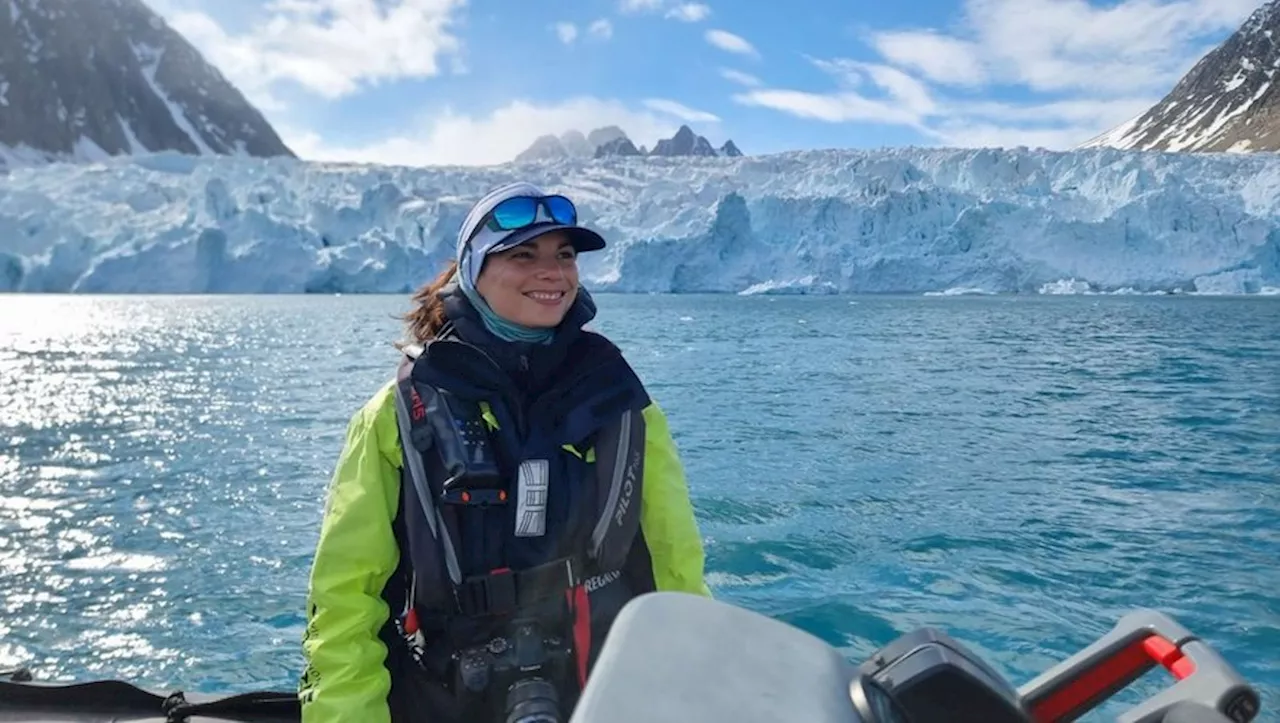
column 563, row 547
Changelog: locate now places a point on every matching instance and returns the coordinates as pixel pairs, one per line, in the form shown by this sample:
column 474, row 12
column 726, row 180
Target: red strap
column 581, row 604
column 1170, row 656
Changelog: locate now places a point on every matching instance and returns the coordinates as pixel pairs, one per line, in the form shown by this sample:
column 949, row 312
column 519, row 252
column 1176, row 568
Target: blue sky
column 475, row 81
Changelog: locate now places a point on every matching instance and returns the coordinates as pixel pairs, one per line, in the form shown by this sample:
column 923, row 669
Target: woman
column 510, row 516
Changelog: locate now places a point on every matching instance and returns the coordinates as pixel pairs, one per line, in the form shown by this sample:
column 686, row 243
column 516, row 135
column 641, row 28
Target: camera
column 524, row 670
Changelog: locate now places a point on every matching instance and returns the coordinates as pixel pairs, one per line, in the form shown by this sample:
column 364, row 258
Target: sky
column 432, row 82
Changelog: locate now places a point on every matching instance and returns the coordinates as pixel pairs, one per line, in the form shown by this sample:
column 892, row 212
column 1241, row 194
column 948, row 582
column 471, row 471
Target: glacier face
column 899, row 220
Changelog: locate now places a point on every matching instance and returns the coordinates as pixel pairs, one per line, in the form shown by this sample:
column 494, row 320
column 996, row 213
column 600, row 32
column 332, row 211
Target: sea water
column 1019, row 471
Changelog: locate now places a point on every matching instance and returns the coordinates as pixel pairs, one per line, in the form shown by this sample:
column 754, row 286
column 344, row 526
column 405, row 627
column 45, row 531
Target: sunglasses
column 521, row 211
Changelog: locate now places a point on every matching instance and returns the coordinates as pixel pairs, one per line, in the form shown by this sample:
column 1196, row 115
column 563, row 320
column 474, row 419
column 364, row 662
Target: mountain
column 617, row 147
column 613, row 141
column 906, row 220
column 85, row 79
column 684, row 143
column 544, row 148
column 602, row 136
column 1229, row 101
column 576, row 144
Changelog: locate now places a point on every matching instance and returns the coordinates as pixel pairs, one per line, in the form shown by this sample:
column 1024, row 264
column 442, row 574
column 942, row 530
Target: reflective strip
column 615, row 484
column 531, row 498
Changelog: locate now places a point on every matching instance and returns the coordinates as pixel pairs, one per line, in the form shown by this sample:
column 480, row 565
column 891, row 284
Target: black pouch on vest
column 465, row 453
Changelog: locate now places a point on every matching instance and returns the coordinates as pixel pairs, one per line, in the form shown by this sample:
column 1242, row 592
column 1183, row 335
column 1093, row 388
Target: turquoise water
column 1019, row 471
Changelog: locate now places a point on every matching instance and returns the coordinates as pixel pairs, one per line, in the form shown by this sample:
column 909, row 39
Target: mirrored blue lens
column 515, row 213
column 561, row 209
column 522, row 211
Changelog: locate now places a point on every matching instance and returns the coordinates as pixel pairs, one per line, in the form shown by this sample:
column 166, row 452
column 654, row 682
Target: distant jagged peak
column 685, row 143
column 612, row 141
column 544, row 147
column 576, row 144
column 618, row 147
column 605, row 134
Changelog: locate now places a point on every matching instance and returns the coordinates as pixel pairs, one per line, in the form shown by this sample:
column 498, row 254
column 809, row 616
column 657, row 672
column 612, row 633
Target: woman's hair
column 426, row 317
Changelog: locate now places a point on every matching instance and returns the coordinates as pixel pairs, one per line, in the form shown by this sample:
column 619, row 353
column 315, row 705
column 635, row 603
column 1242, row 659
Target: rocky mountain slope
column 81, row 79
column 1229, row 101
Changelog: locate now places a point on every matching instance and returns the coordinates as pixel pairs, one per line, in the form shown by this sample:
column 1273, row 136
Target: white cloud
column 567, row 32
column 602, row 29
column 1137, row 45
column 1087, row 111
column 689, row 12
column 900, row 87
column 681, row 111
column 739, row 77
column 988, row 135
column 330, row 47
column 640, row 6
column 729, row 42
column 1085, row 68
column 1066, row 45
column 831, row 107
column 448, row 137
column 901, row 99
column 1052, row 124
column 940, row 58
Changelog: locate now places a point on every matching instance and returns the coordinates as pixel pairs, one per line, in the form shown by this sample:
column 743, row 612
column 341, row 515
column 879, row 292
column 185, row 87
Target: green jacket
column 345, row 679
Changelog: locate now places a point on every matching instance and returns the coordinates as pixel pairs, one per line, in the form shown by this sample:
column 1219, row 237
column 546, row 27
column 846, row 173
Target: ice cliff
column 899, row 220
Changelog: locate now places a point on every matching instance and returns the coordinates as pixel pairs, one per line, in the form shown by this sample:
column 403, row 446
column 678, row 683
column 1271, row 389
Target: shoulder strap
column 619, row 478
column 415, row 436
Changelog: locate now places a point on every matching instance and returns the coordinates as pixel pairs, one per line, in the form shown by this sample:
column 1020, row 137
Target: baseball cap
column 551, row 213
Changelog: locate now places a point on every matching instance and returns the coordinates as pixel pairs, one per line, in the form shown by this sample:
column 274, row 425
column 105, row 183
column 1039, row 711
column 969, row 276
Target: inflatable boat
column 676, row 658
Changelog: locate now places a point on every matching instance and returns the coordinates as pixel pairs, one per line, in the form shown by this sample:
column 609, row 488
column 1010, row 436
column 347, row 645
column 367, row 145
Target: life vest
column 518, row 509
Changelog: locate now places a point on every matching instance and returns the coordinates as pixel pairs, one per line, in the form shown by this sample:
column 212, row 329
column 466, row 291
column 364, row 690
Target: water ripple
column 1020, row 472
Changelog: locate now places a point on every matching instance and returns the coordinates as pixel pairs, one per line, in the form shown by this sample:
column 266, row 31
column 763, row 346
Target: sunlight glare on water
column 1019, row 471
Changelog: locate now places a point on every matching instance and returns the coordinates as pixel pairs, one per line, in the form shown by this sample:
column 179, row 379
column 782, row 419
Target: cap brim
column 583, row 239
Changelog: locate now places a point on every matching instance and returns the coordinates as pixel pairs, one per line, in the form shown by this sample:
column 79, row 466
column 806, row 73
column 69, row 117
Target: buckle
column 572, row 578
column 550, row 579
column 503, row 591
column 491, row 594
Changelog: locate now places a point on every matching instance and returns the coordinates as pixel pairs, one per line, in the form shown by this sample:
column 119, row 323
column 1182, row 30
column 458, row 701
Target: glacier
column 902, row 220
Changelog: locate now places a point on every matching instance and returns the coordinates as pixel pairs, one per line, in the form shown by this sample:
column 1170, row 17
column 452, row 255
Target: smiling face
column 533, row 284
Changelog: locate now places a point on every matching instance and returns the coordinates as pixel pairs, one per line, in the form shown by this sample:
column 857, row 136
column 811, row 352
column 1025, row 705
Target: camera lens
column 533, row 700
